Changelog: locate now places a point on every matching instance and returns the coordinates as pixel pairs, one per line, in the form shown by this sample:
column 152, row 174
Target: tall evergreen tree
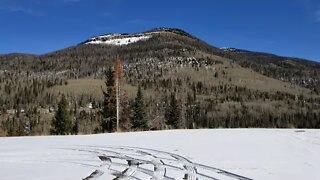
column 112, row 102
column 61, row 123
column 139, row 120
column 126, row 113
column 109, row 110
column 75, row 127
column 172, row 113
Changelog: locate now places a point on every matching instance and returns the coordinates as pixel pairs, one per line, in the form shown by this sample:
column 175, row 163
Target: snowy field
column 190, row 154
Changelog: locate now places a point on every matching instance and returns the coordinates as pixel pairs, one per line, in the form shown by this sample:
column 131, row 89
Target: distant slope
column 213, row 87
column 298, row 71
column 17, row 57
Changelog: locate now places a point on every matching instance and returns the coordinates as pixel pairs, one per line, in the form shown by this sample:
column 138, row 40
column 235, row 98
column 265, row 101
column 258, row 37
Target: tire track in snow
column 129, row 163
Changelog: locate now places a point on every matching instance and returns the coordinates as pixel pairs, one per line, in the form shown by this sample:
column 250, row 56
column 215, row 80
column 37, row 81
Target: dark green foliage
column 139, row 120
column 173, row 112
column 126, row 113
column 109, row 110
column 61, row 123
column 75, row 128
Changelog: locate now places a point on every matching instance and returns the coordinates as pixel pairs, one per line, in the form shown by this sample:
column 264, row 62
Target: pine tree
column 75, row 127
column 109, row 104
column 139, row 120
column 172, row 113
column 126, row 113
column 61, row 123
column 116, row 110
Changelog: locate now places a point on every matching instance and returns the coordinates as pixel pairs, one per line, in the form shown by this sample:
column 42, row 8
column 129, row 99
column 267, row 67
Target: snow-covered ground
column 118, row 40
column 217, row 153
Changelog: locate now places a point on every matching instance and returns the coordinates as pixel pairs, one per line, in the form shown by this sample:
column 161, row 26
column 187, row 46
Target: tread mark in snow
column 95, row 174
column 126, row 163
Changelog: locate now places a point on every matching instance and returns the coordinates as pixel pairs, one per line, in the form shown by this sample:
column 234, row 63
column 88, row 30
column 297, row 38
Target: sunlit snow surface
column 191, row 154
column 118, row 40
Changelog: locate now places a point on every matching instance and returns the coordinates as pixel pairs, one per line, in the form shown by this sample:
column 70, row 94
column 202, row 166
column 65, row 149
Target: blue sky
column 283, row 27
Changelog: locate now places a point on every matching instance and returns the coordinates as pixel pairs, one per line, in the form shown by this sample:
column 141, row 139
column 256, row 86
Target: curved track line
column 130, row 160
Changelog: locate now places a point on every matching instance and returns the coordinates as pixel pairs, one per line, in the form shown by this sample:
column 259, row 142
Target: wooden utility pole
column 118, row 78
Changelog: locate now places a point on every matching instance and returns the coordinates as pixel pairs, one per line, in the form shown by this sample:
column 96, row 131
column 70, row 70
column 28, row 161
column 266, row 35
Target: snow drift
column 218, row 153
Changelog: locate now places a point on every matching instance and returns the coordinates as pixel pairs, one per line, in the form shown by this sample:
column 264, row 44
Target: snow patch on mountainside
column 118, row 40
column 226, row 49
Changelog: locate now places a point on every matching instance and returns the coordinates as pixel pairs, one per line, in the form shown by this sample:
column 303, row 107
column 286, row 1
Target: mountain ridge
column 160, row 41
column 163, row 29
column 213, row 88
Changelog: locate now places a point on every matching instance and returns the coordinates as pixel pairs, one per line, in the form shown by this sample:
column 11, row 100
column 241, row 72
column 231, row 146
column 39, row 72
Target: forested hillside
column 183, row 82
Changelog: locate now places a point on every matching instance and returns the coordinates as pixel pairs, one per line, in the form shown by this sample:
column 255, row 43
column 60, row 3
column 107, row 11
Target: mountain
column 215, row 87
column 298, row 71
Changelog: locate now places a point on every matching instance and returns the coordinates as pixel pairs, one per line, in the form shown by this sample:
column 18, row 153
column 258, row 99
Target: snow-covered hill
column 203, row 154
column 117, row 39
